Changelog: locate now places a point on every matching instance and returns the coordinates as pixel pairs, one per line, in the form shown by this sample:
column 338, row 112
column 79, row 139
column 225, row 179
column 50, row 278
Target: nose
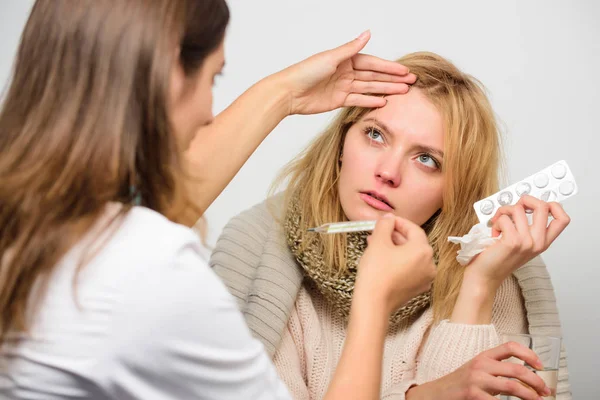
column 389, row 170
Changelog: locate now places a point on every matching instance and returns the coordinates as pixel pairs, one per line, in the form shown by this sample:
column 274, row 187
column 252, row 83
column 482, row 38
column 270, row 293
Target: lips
column 376, row 200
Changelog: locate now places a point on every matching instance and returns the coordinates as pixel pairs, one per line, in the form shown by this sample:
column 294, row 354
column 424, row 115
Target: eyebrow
column 419, row 147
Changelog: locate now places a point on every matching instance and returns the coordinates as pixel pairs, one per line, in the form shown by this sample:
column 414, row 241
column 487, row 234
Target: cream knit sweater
column 304, row 334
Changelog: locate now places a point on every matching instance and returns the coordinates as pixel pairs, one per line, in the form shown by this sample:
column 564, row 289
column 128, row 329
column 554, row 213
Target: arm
column 212, row 159
column 336, row 78
column 358, row 374
column 451, row 345
column 457, row 357
column 382, row 284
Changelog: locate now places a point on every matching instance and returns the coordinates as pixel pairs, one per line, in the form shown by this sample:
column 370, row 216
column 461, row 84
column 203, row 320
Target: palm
column 341, row 77
column 332, row 91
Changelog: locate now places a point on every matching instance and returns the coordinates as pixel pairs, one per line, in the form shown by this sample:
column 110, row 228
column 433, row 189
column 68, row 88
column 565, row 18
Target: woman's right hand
column 397, row 264
column 486, row 376
column 342, row 77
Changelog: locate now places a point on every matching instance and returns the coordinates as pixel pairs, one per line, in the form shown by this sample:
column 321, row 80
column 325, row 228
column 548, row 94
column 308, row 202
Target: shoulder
column 243, row 240
column 164, row 263
column 143, row 239
column 253, row 260
column 181, row 334
column 258, row 219
column 142, row 225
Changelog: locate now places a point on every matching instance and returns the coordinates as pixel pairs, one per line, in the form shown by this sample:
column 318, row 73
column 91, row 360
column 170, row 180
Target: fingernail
column 547, row 391
column 540, row 365
column 363, row 35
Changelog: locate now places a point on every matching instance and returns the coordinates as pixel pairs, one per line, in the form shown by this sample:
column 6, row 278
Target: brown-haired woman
column 103, row 293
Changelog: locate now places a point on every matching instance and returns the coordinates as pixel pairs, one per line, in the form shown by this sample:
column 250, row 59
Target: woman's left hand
column 520, row 242
column 342, row 77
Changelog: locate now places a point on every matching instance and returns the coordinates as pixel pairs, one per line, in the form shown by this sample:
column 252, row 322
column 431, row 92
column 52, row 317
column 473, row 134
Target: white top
column 149, row 320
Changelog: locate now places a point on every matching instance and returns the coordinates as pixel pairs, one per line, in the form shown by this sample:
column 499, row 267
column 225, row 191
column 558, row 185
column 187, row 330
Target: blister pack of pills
column 553, row 183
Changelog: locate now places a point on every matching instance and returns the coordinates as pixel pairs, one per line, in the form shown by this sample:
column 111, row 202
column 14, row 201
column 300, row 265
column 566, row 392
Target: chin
column 364, row 214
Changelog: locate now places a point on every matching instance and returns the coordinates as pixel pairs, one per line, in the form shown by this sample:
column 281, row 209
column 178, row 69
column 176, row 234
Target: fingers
column 510, row 387
column 383, row 77
column 383, row 229
column 541, row 211
column 399, row 229
column 379, row 87
column 558, row 224
column 409, row 230
column 517, row 214
column 362, row 100
column 367, row 62
column 350, row 49
column 514, row 349
column 541, row 234
column 504, row 225
column 523, row 374
column 398, row 239
column 541, row 231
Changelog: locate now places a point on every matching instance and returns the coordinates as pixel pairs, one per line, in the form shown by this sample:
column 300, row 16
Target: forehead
column 411, row 114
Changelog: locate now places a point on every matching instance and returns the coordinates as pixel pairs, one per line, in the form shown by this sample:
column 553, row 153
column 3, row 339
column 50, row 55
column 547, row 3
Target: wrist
column 368, row 292
column 475, row 300
column 479, row 284
column 277, row 94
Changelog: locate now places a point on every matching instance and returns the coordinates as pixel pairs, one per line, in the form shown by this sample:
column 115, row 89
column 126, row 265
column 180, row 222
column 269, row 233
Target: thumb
column 352, row 48
column 384, row 229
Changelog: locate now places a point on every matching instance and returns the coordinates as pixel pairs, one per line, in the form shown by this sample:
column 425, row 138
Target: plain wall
column 538, row 59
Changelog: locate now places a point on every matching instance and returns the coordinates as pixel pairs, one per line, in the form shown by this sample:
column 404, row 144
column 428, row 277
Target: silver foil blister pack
column 553, row 183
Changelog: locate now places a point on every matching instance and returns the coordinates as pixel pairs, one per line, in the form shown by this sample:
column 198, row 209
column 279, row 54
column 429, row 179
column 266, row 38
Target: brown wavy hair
column 84, row 123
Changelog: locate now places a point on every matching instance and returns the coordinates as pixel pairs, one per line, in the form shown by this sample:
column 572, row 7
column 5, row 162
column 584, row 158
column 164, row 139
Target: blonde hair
column 472, row 162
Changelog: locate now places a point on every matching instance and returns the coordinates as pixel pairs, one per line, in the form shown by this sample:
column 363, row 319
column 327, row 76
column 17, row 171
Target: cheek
column 203, row 104
column 357, row 170
column 429, row 192
column 357, row 165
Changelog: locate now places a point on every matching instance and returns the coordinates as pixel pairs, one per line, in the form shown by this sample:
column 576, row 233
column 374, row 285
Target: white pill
column 523, row 188
column 505, row 198
column 559, row 171
column 541, row 180
column 566, row 188
column 487, row 207
column 548, row 196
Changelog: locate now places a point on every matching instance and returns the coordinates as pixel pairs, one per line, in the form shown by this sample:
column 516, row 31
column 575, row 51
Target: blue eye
column 428, row 160
column 375, row 135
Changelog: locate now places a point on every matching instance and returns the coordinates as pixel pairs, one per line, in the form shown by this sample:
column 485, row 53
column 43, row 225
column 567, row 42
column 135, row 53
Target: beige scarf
column 337, row 288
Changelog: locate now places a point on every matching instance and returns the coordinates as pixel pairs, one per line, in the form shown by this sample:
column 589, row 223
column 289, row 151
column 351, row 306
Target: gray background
column 540, row 61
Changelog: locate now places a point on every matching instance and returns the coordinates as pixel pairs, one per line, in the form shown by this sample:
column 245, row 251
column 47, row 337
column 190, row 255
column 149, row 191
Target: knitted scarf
column 337, row 288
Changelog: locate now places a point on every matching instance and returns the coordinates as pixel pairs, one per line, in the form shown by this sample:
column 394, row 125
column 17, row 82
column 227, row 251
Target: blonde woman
column 426, row 156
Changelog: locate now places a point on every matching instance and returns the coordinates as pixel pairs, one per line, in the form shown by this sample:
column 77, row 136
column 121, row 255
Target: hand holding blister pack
column 553, row 183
